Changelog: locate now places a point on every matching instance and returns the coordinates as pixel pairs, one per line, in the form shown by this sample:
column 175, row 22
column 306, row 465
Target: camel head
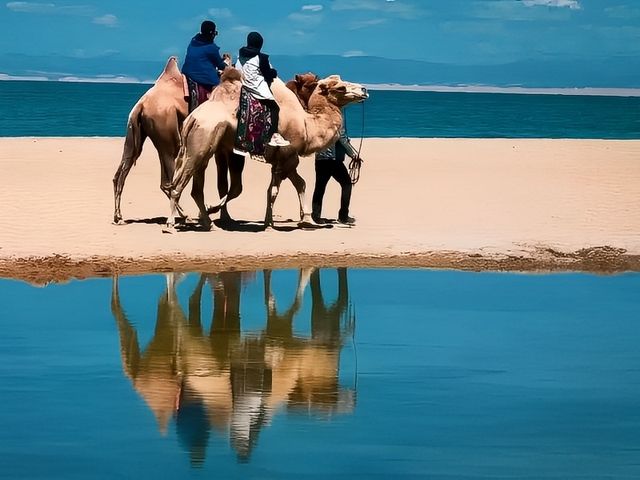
column 303, row 86
column 340, row 92
column 230, row 74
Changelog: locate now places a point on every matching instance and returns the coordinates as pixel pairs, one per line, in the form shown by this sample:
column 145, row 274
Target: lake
column 322, row 373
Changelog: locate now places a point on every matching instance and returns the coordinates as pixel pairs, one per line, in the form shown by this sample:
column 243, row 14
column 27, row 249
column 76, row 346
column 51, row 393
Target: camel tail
column 187, row 127
column 135, row 134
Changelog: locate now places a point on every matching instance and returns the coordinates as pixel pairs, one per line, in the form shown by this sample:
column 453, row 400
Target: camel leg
column 229, row 166
column 222, row 168
column 167, row 168
column 193, row 158
column 300, row 186
column 236, row 166
column 132, row 150
column 272, row 194
column 179, row 185
column 197, row 192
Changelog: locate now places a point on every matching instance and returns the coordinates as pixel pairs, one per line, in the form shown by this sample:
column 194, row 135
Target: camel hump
column 171, row 71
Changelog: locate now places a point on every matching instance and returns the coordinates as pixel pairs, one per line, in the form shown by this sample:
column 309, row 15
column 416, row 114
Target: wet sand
column 479, row 204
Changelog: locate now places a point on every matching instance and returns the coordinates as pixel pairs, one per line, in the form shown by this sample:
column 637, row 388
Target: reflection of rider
column 201, row 64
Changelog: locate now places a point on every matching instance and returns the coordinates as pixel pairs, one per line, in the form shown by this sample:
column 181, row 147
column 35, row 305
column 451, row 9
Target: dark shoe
column 318, row 220
column 347, row 220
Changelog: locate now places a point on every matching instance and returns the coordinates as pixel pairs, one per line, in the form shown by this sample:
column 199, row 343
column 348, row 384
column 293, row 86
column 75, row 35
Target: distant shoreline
column 590, row 91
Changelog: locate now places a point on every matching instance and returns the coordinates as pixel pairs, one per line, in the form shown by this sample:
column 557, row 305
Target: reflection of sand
column 514, row 204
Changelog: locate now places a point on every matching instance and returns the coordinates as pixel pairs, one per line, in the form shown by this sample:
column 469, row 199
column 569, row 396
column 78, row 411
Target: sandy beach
column 519, row 205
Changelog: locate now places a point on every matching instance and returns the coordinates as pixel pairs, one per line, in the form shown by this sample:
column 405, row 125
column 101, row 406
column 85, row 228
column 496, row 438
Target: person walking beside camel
column 201, row 64
column 330, row 163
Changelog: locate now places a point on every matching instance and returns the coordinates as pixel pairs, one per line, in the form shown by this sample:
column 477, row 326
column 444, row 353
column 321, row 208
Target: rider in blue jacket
column 202, row 62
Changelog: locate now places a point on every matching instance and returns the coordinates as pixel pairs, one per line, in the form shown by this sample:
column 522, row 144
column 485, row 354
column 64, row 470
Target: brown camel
column 212, row 127
column 303, row 86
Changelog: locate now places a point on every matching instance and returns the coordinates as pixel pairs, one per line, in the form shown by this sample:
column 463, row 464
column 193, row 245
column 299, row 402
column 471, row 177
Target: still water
column 322, row 373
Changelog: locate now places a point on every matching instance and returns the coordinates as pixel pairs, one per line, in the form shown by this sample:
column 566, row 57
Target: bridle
column 356, row 163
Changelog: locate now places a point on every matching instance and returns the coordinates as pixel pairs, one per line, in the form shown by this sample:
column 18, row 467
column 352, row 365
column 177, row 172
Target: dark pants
column 197, row 93
column 325, row 169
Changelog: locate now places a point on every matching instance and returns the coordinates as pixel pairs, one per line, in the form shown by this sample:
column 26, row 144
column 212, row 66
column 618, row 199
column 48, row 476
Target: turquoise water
column 334, row 374
column 85, row 109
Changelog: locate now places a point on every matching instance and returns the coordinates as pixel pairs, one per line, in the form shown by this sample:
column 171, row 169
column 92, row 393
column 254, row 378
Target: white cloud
column 571, row 4
column 353, row 53
column 312, row 8
column 242, row 28
column 307, row 19
column 220, row 13
column 366, row 23
column 393, row 8
column 522, row 10
column 30, row 7
column 107, row 20
column 622, row 12
column 51, row 9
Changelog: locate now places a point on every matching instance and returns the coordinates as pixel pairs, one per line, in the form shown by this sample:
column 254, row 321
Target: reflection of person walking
column 330, row 163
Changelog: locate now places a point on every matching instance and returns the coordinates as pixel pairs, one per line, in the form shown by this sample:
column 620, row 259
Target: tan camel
column 212, row 128
column 159, row 115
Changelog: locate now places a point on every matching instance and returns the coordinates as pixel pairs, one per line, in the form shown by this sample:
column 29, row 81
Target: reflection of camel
column 229, row 381
column 212, row 127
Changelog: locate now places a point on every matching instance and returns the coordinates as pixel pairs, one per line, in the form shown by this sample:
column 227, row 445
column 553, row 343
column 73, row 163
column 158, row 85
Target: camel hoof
column 118, row 221
column 169, row 229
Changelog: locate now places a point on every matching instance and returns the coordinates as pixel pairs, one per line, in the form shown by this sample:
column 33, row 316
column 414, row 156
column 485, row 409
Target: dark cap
column 208, row 28
column 255, row 40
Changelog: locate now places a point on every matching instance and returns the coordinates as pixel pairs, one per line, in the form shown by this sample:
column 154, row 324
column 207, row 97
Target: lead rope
column 356, row 163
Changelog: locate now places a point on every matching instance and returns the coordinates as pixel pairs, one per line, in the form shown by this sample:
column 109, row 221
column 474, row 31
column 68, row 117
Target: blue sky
column 448, row 31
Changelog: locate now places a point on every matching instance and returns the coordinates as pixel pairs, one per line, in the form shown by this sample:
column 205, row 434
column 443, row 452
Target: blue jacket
column 202, row 61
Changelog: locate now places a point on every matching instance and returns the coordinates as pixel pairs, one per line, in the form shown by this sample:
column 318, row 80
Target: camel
column 212, row 127
column 303, row 85
column 159, row 115
column 231, row 380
